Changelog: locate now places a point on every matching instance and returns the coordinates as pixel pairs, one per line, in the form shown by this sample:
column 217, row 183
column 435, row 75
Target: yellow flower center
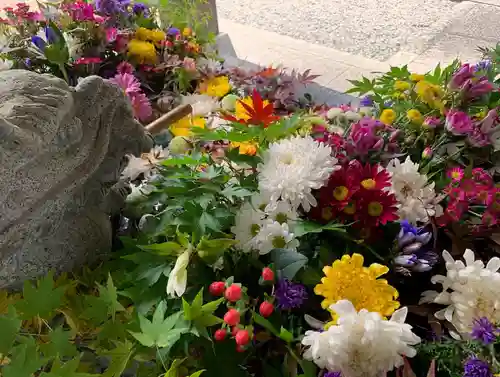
column 281, row 218
column 340, row 193
column 455, row 175
column 375, row 209
column 279, row 242
column 326, row 213
column 368, row 184
column 350, row 209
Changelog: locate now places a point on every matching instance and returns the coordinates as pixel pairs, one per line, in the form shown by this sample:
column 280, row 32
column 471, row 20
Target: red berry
column 220, row 335
column 233, row 293
column 242, row 337
column 267, row 274
column 266, row 309
column 232, row 317
column 234, row 331
column 217, row 288
column 240, row 349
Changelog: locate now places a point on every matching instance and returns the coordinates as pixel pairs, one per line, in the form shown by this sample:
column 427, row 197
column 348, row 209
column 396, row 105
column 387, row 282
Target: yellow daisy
column 183, row 127
column 401, row 85
column 415, row 116
column 415, row 77
column 348, row 279
column 430, row 94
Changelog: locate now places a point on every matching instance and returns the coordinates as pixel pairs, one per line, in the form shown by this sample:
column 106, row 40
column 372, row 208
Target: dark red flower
column 376, row 207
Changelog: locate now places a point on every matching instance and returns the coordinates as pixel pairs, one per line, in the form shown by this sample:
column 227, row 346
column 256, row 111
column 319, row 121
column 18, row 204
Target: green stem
column 62, row 68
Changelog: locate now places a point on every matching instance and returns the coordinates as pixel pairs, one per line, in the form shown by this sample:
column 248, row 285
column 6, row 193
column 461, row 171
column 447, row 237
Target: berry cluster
column 234, row 294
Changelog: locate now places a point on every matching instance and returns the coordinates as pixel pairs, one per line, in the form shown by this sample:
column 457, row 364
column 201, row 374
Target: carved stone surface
column 61, row 153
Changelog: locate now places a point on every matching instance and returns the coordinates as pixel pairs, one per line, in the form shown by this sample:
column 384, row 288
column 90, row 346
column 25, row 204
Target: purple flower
column 469, row 81
column 414, row 251
column 460, row 76
column 38, row 42
column 289, row 295
column 484, row 65
column 141, row 9
column 458, row 122
column 51, row 35
column 332, row 374
column 475, row 367
column 111, row 7
column 484, row 331
column 173, row 31
column 366, row 101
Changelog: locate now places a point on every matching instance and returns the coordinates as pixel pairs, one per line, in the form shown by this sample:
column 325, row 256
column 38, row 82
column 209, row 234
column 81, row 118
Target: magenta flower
column 125, row 67
column 363, row 136
column 458, row 123
column 459, row 78
column 189, row 64
column 485, row 131
column 127, row 82
column 431, row 122
column 141, row 105
column 111, row 34
column 88, row 60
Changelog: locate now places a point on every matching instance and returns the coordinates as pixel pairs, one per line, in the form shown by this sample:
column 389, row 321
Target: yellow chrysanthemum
column 247, row 148
column 348, row 279
column 401, row 85
column 143, row 52
column 144, row 34
column 415, row 77
column 183, row 127
column 430, row 94
column 187, row 31
column 216, row 86
column 415, row 116
column 388, row 116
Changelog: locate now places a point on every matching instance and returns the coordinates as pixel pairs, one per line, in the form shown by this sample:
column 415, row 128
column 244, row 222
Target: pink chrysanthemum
column 88, row 60
column 127, row 82
column 456, row 174
column 141, row 105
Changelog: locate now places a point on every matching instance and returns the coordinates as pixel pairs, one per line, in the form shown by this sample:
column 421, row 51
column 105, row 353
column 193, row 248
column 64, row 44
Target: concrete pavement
column 465, row 26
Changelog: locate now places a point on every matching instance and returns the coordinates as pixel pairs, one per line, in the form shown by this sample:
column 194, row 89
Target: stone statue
column 61, row 153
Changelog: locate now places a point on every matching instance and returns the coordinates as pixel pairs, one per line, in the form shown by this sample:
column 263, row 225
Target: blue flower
column 484, row 331
column 173, row 31
column 111, row 7
column 414, row 251
column 289, row 295
column 475, row 367
column 51, row 35
column 332, row 374
column 366, row 101
column 141, row 9
column 38, row 42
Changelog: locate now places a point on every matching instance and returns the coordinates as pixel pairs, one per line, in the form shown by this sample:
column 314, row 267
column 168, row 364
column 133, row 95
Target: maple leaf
column 59, row 344
column 259, row 113
column 42, row 300
column 120, row 357
column 9, row 328
column 67, row 369
column 25, row 360
column 109, row 295
column 160, row 331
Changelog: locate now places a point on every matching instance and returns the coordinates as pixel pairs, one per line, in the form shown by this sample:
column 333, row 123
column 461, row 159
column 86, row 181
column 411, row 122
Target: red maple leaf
column 258, row 113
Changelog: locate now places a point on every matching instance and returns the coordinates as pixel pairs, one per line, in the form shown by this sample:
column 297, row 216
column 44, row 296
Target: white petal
column 493, row 264
column 343, row 307
column 469, row 257
column 447, row 257
column 400, row 315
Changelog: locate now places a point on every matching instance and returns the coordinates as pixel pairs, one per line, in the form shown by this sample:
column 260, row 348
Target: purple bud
column 51, row 35
column 424, row 238
column 422, row 266
column 412, row 248
column 38, row 42
column 366, row 101
column 406, row 260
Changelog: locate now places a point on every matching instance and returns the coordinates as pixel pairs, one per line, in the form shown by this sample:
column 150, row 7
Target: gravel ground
column 372, row 28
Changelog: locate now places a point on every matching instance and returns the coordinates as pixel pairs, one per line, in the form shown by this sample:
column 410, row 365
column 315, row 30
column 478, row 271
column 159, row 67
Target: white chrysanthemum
column 416, row 196
column 248, row 222
column 470, row 290
column 144, row 164
column 293, row 167
column 361, row 344
column 279, row 211
column 201, row 104
column 274, row 235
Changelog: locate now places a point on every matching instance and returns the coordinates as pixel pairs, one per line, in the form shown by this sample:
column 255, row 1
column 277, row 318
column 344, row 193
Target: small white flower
column 201, row 104
column 361, row 344
column 416, row 196
column 209, row 64
column 177, row 279
column 74, row 46
column 293, row 167
column 470, row 291
column 144, row 164
column 334, row 113
column 248, row 222
column 139, row 192
column 5, row 64
column 274, row 235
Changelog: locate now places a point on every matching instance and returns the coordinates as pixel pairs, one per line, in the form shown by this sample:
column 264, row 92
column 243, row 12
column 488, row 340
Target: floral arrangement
column 276, row 237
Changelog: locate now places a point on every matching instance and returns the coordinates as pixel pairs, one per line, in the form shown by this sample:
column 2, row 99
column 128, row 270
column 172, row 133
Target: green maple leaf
column 41, row 300
column 120, row 357
column 109, row 295
column 25, row 360
column 59, row 344
column 160, row 331
column 67, row 369
column 9, row 328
